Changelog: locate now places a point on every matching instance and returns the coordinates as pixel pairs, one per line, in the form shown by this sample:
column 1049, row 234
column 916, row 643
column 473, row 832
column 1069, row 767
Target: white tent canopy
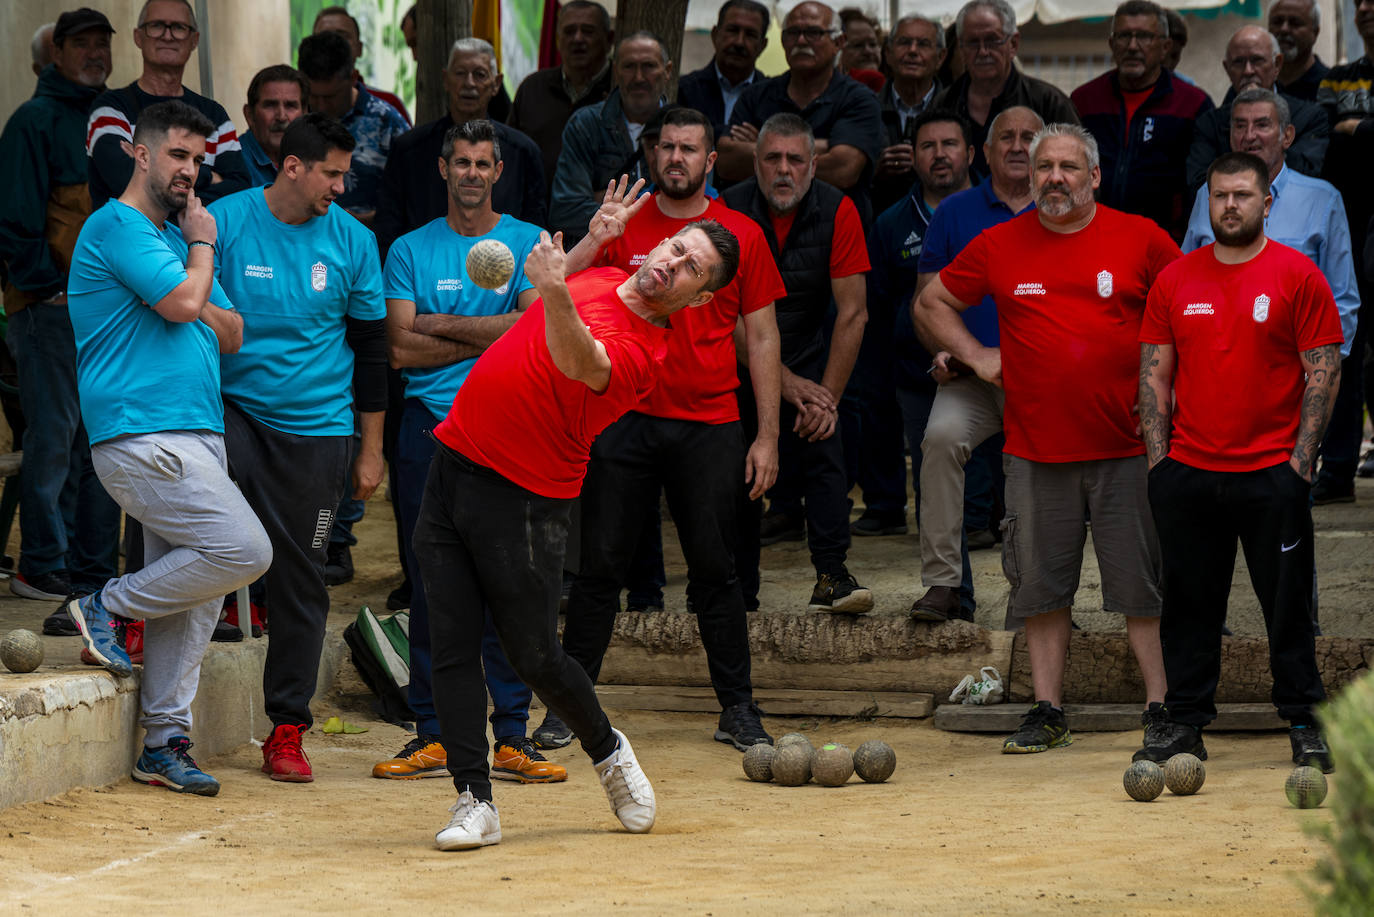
column 702, row 14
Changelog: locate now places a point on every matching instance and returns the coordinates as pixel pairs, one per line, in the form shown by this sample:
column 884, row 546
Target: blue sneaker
column 98, row 634
column 172, row 766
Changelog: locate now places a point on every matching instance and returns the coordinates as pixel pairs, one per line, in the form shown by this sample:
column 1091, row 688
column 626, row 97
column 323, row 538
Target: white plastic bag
column 986, row 689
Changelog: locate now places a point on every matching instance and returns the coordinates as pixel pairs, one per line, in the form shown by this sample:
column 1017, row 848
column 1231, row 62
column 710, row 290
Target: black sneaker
column 840, row 592
column 741, row 727
column 1327, row 491
column 872, row 524
column 52, row 586
column 777, row 527
column 1165, row 738
column 1309, row 748
column 60, row 624
column 1042, row 728
column 226, row 633
column 399, row 598
column 982, row 540
column 338, row 565
column 552, row 733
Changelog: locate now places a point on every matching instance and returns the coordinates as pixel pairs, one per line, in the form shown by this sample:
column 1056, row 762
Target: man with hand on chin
column 1224, row 469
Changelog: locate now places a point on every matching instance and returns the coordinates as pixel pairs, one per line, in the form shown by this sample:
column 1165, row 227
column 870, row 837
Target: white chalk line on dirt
column 42, row 883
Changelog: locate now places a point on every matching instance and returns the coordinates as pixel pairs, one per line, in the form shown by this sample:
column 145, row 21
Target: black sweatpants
column 484, row 542
column 294, row 484
column 700, row 468
column 1200, row 515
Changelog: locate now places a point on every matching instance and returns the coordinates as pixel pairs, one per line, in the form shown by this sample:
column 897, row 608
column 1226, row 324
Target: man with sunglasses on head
column 166, row 35
column 989, row 40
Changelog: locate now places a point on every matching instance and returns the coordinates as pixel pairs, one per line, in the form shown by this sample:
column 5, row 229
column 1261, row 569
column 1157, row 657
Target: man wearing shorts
column 306, row 276
column 1226, row 468
column 150, row 323
column 1069, row 303
column 512, row 456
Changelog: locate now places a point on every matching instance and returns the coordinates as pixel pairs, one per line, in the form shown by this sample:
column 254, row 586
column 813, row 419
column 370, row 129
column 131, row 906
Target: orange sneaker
column 282, row 755
column 423, row 756
column 517, row 759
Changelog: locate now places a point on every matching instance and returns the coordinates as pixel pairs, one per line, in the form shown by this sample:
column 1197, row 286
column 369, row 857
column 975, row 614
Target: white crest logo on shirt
column 1104, row 284
column 319, row 274
column 1261, row 312
column 503, row 289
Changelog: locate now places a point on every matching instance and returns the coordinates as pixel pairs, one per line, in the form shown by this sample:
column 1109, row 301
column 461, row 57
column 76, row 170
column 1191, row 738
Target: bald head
column 1252, row 59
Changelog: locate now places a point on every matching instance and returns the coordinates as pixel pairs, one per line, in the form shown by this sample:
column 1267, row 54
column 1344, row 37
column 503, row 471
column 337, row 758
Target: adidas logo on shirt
column 913, row 239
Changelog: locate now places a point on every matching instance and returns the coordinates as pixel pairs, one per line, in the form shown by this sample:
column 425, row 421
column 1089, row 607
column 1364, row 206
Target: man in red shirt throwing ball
column 1243, row 315
column 1070, row 280
column 590, row 349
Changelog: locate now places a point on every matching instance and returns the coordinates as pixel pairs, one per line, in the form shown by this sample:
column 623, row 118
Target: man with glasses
column 1252, row 60
column 915, row 50
column 166, row 35
column 843, row 113
column 989, row 40
column 1142, row 118
column 739, row 37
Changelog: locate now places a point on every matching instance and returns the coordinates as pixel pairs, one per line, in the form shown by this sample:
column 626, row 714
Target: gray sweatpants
column 201, row 542
column 966, row 411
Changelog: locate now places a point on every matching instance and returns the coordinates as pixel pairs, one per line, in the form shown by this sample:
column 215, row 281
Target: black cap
column 77, row 21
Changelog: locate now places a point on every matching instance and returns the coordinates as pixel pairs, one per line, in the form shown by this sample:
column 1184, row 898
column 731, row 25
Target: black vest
column 804, row 264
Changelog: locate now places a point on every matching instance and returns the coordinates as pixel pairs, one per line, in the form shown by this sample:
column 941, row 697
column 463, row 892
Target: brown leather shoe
column 940, row 603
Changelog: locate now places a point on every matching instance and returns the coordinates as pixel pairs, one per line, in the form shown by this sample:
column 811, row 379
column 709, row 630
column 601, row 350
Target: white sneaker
column 631, row 796
column 474, row 824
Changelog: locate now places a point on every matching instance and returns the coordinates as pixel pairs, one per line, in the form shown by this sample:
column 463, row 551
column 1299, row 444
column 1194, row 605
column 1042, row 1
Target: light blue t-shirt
column 294, row 286
column 429, row 268
column 137, row 372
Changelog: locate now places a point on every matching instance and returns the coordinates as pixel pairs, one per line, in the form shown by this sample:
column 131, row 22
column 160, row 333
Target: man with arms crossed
column 512, row 456
column 1223, row 468
column 1069, row 307
column 305, row 274
column 150, row 323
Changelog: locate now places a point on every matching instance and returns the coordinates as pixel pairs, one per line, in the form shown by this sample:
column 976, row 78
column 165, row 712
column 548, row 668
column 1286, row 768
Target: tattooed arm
column 1323, row 368
column 1156, row 398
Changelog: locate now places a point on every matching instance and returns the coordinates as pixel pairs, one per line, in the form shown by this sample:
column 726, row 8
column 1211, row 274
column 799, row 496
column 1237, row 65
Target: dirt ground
column 959, row 829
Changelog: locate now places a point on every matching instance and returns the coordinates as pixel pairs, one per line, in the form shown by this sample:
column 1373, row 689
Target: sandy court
column 959, row 829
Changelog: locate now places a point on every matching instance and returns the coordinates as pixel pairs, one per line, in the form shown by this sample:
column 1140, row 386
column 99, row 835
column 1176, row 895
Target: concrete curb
column 69, row 726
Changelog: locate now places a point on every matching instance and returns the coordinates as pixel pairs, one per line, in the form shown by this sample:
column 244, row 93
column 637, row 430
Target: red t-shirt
column 848, row 248
column 701, row 350
column 520, row 416
column 1133, row 102
column 1069, row 307
column 1237, row 330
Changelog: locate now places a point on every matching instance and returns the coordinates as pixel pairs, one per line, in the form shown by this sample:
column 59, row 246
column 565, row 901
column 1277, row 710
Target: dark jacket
column 1037, row 95
column 43, row 171
column 413, row 192
column 804, row 263
column 542, row 107
column 1212, row 137
column 1305, row 86
column 1143, row 172
column 596, row 149
column 700, row 89
column 888, row 190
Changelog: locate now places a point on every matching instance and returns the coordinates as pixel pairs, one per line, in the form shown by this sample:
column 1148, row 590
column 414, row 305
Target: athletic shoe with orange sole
column 517, row 759
column 282, row 756
column 423, row 756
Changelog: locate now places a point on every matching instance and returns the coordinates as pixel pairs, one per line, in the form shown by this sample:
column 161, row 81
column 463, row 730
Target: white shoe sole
column 466, row 841
column 25, row 591
column 857, row 602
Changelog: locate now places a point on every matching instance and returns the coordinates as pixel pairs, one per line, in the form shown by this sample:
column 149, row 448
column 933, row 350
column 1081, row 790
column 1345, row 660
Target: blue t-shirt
column 957, row 222
column 294, row 286
column 137, row 372
column 429, row 268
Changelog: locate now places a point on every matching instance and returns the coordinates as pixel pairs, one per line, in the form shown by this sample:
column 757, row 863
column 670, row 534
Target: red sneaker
column 282, row 755
column 130, row 636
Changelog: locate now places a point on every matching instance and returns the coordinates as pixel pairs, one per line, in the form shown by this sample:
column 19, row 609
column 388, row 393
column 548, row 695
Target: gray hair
column 786, row 124
column 1256, row 95
column 1143, row 8
column 474, row 46
column 478, row 130
column 40, row 39
column 1313, row 4
column 643, row 35
column 1067, row 130
column 190, row 10
column 1001, row 7
column 992, row 125
column 917, row 17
